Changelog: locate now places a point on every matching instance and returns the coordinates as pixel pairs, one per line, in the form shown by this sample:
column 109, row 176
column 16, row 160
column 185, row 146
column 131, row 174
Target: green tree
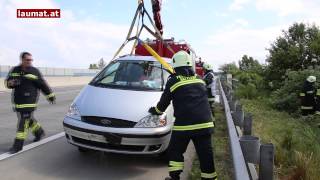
column 248, row 81
column 248, row 64
column 93, row 66
column 101, row 63
column 296, row 49
column 230, row 68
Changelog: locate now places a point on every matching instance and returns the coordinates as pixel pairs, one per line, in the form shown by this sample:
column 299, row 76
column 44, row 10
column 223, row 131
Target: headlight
column 152, row 121
column 73, row 112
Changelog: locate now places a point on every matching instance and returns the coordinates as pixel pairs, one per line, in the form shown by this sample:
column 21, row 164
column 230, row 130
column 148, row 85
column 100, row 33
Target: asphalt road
column 49, row 116
column 57, row 159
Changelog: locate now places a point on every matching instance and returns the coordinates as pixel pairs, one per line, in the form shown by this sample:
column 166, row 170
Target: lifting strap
column 140, row 12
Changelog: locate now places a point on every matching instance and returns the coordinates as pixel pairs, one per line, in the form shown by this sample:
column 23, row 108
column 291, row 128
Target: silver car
column 111, row 112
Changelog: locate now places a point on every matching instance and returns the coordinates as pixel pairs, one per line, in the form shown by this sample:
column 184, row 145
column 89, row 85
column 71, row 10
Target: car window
column 110, row 73
column 145, row 75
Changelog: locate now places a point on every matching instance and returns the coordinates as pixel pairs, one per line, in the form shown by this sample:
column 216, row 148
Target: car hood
column 115, row 103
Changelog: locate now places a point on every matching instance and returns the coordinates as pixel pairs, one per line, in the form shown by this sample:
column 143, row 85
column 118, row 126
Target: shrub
column 248, row 85
column 286, row 98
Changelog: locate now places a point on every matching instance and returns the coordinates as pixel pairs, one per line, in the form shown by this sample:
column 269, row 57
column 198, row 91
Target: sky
column 219, row 31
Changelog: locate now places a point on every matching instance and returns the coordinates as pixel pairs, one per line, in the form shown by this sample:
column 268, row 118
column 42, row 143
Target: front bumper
column 117, row 140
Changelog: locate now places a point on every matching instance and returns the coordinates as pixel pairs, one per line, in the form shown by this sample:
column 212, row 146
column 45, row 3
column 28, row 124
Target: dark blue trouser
column 203, row 146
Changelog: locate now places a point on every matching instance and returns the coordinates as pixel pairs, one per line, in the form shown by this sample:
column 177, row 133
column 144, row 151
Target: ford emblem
column 105, row 122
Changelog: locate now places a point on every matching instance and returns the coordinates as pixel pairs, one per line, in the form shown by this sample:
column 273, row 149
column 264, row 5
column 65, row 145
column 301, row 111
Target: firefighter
column 209, row 80
column 317, row 109
column 308, row 96
column 26, row 81
column 193, row 121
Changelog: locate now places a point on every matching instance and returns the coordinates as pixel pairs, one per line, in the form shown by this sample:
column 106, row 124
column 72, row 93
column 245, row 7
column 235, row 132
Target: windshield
column 137, row 75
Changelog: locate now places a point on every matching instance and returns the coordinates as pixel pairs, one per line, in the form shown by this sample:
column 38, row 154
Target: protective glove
column 13, row 83
column 153, row 111
column 52, row 100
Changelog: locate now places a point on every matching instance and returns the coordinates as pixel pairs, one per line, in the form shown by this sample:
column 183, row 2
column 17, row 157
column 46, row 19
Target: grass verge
column 223, row 161
column 297, row 140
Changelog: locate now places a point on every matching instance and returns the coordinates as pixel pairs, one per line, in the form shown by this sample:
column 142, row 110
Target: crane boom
column 156, row 9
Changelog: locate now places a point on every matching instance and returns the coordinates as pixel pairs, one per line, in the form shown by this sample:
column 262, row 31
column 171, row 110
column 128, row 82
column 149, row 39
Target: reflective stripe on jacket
column 26, row 91
column 190, row 102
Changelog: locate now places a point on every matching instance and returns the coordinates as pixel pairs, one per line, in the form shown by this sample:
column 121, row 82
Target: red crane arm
column 156, row 9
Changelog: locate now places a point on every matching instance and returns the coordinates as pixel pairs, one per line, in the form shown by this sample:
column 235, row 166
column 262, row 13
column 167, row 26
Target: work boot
column 17, row 146
column 39, row 135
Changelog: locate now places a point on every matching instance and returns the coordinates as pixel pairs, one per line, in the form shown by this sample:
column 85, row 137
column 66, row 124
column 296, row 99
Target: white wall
column 47, row 71
column 59, row 81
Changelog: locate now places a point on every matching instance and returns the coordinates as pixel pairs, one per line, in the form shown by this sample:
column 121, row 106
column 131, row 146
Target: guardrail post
column 230, row 99
column 232, row 105
column 266, row 162
column 250, row 146
column 238, row 115
column 229, row 95
column 247, row 124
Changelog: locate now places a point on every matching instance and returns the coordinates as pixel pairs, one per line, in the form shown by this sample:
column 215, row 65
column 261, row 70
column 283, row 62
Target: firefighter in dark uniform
column 308, row 96
column 193, row 118
column 317, row 109
column 209, row 80
column 318, row 102
column 26, row 81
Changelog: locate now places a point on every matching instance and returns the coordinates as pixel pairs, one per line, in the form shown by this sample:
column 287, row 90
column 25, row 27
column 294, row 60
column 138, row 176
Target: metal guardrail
column 239, row 164
column 246, row 150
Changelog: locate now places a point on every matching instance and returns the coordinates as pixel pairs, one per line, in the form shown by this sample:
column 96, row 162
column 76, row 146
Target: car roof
column 140, row 58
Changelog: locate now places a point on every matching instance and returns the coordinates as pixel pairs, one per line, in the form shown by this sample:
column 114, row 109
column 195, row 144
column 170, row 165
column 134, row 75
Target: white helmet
column 207, row 66
column 181, row 58
column 312, row 79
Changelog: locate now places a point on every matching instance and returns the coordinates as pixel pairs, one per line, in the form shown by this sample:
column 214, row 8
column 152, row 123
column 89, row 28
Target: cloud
column 280, row 7
column 241, row 22
column 221, row 14
column 230, row 44
column 283, row 7
column 238, row 4
column 65, row 42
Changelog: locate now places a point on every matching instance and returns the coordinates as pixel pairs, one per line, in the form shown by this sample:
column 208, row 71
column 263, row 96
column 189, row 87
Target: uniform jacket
column 210, row 82
column 308, row 95
column 188, row 94
column 26, row 92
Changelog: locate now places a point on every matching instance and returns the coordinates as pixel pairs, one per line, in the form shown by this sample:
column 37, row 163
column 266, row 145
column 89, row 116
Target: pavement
column 49, row 116
column 55, row 159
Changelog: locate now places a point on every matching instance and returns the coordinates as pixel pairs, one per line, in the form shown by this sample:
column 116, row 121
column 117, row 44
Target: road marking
column 43, row 100
column 32, row 145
